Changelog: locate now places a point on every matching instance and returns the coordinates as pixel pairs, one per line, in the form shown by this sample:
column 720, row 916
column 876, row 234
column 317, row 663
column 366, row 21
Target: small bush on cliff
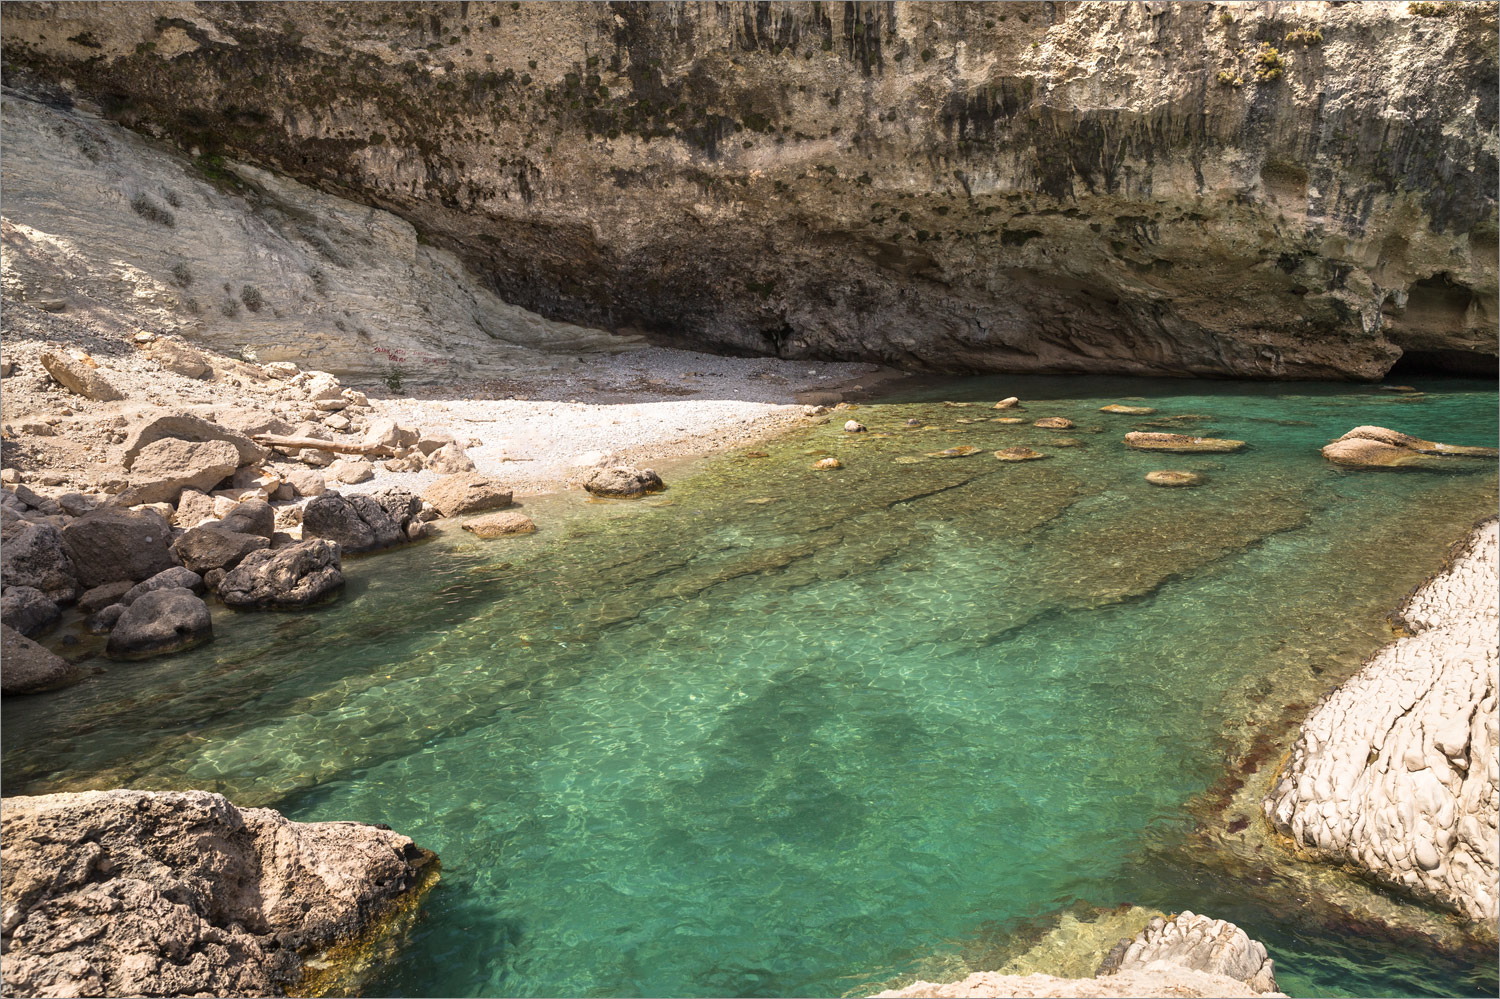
column 1431, row 9
column 1302, row 36
column 151, row 211
column 251, row 296
column 393, row 379
column 1268, row 64
column 1228, row 79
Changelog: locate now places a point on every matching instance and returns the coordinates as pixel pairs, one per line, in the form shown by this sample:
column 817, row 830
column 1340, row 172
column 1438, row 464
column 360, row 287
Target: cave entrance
column 1452, row 363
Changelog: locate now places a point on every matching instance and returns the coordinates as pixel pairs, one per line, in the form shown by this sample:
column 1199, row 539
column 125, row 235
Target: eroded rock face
column 1396, row 773
column 119, row 893
column 290, row 578
column 1088, row 187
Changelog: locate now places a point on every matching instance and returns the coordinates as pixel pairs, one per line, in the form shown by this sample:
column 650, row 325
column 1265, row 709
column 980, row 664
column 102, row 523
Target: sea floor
column 780, row 731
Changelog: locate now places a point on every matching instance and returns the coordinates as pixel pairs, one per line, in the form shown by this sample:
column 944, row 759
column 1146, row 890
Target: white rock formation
column 108, row 226
column 1198, row 943
column 1396, row 771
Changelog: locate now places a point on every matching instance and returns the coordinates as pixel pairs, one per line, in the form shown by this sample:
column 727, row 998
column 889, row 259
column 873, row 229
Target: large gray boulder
column 251, row 516
column 111, row 543
column 128, row 893
column 213, row 546
column 176, row 577
column 297, row 576
column 27, row 668
column 35, row 555
column 27, row 609
column 164, row 468
column 358, row 523
column 158, row 623
column 401, row 504
column 186, row 427
column 622, row 482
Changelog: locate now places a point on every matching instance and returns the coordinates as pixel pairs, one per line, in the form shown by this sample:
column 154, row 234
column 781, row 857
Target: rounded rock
column 1174, row 478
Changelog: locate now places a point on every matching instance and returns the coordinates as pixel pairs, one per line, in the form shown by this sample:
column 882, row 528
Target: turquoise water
column 785, row 732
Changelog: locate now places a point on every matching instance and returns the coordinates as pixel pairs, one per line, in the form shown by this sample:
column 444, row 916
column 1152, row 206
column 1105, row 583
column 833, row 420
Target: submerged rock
column 962, row 451
column 854, row 427
column 1142, row 441
column 1018, row 454
column 622, row 481
column 28, row 668
column 495, row 525
column 159, row 623
column 297, row 576
column 1054, row 423
column 1173, row 478
column 827, row 464
column 1377, row 447
column 1127, row 410
column 1395, row 773
column 124, row 893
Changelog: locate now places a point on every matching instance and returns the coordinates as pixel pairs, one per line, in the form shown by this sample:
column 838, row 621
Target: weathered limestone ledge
column 122, row 893
column 1183, row 955
column 1395, row 772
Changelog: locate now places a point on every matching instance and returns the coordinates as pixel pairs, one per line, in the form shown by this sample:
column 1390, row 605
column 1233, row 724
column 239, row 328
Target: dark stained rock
column 35, row 555
column 111, row 543
column 213, row 546
column 177, row 576
column 358, row 523
column 27, row 609
column 622, row 482
column 251, row 516
column 158, row 623
column 27, row 668
column 290, row 578
column 127, row 893
column 401, row 504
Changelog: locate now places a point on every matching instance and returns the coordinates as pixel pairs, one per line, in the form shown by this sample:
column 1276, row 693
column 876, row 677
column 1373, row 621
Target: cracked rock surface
column 1198, row 943
column 1396, row 772
column 118, row 893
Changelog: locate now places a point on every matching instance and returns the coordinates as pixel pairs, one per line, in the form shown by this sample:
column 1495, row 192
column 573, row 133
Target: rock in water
column 175, row 577
column 27, row 609
column 1199, row 943
column 825, row 464
column 290, row 578
column 622, row 482
column 854, row 427
column 1013, row 402
column 1377, row 447
column 1395, row 773
column 465, row 492
column 124, row 893
column 27, row 668
column 1127, row 410
column 109, row 543
column 1182, row 443
column 495, row 525
column 357, row 523
column 1171, row 478
column 158, row 623
column 1054, row 423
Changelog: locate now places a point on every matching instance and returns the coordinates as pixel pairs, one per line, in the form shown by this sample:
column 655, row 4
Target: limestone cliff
column 1254, row 189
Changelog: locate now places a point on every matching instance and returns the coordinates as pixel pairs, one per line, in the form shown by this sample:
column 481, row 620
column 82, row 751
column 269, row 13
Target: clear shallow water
column 878, row 726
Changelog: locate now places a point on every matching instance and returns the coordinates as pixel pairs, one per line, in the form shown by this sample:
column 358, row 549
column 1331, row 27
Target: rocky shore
column 1395, row 772
column 122, row 893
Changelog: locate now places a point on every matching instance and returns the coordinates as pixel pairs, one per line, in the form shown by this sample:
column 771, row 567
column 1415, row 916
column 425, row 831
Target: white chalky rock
column 1200, row 943
column 1396, row 771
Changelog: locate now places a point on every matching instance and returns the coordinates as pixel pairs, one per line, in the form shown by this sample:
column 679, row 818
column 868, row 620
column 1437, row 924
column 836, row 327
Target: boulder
column 307, row 482
column 251, row 517
column 257, row 479
column 77, row 504
column 401, row 504
column 38, row 502
column 1198, row 943
column 299, row 575
column 1054, row 423
column 279, row 370
column 429, row 441
column 214, row 546
column 110, row 543
column 186, row 427
column 165, row 467
column 177, row 577
column 450, row 459
column 250, row 423
column 466, row 492
column 103, row 620
column 827, row 464
column 27, row 668
column 193, row 508
column 1127, row 410
column 357, row 523
column 499, row 524
column 158, row 623
column 180, row 359
column 1180, row 443
column 79, row 378
column 37, row 555
column 27, row 609
column 181, row 893
column 1018, row 454
column 1377, row 447
column 622, row 481
column 854, row 427
column 388, row 433
column 1012, row 402
column 100, row 597
column 351, row 471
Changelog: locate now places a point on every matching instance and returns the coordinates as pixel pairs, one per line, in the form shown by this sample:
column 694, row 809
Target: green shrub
column 1268, row 64
column 393, row 378
column 151, row 211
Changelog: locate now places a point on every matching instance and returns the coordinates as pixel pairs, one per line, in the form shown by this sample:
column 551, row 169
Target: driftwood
column 338, row 447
